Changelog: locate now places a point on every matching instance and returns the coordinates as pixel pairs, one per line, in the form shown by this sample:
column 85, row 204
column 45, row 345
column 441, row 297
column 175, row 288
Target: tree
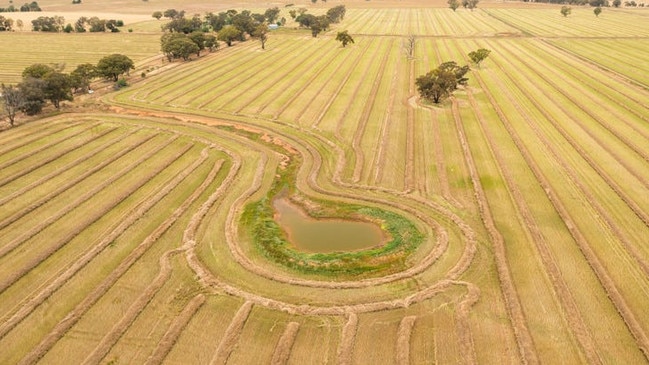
column 80, row 25
column 453, row 4
column 57, row 88
column 217, row 21
column 6, row 24
column 20, row 24
column 111, row 67
column 245, row 23
column 409, row 46
column 566, row 10
column 33, row 96
column 597, row 11
column 229, row 34
column 97, row 25
column 261, row 33
column 178, row 45
column 157, row 15
column 471, row 4
column 440, row 83
column 320, row 24
column 173, row 13
column 617, row 3
column 479, row 55
column 210, row 42
column 271, row 15
column 82, row 76
column 12, row 101
column 336, row 14
column 52, row 24
column 344, row 38
column 199, row 40
column 37, row 71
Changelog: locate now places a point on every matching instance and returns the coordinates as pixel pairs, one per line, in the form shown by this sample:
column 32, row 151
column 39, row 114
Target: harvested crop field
column 124, row 229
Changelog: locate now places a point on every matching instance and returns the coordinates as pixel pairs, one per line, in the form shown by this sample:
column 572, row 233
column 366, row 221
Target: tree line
column 318, row 24
column 55, row 24
column 189, row 36
column 42, row 83
column 26, row 7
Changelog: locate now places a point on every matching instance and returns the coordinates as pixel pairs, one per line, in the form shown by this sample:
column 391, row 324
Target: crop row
column 24, row 313
column 581, row 23
column 422, row 22
column 540, row 119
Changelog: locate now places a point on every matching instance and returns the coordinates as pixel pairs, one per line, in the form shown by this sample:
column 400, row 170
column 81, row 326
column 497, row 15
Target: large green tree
column 441, row 82
column 229, row 34
column 113, row 66
column 178, row 45
column 82, row 76
column 37, row 70
column 57, row 88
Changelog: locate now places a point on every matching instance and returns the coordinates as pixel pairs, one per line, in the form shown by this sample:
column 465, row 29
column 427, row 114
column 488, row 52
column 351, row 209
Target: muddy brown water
column 313, row 235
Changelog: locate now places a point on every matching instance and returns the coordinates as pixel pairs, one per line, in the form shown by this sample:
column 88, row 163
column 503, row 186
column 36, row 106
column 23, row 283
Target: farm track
column 73, row 317
column 605, row 280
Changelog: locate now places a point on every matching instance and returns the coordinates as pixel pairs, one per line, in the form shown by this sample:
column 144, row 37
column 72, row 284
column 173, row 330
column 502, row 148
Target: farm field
column 122, row 235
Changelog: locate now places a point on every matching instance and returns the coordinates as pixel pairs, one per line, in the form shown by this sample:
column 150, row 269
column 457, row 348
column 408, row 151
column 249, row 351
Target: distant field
column 28, row 48
column 121, row 234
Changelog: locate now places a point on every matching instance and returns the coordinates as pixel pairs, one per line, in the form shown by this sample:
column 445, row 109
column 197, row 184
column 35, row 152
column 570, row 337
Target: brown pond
column 325, row 235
